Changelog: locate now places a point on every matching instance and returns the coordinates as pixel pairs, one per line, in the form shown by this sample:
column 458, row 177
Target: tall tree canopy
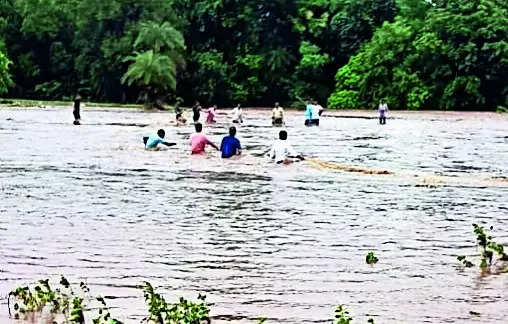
column 449, row 54
column 352, row 53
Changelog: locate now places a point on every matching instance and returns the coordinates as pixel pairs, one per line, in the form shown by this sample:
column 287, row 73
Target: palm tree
column 161, row 37
column 154, row 72
column 155, row 68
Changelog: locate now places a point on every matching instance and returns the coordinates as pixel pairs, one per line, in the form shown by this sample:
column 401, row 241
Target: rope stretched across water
column 344, row 167
column 422, row 179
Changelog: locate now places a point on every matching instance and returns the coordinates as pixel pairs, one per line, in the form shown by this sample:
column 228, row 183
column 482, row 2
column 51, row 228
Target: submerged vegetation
column 350, row 53
column 489, row 249
column 371, row 258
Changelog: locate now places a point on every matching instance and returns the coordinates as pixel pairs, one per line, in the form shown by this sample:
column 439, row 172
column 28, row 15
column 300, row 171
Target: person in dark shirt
column 75, row 111
column 196, row 110
column 230, row 145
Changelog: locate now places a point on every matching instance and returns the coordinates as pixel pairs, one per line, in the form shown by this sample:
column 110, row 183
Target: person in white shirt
column 237, row 115
column 383, row 110
column 282, row 151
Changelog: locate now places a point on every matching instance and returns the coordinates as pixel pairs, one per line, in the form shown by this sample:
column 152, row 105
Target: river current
column 260, row 240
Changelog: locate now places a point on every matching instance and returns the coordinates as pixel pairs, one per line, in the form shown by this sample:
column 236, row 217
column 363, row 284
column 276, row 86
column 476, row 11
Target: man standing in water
column 196, row 109
column 277, row 115
column 198, row 141
column 282, row 151
column 312, row 113
column 179, row 114
column 237, row 115
column 383, row 110
column 230, row 145
column 76, row 110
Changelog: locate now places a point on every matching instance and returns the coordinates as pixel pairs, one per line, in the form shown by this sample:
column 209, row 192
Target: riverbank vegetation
column 42, row 303
column 414, row 54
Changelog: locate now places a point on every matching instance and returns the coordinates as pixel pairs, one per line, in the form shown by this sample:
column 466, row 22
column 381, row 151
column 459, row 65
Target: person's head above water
column 198, row 127
column 232, row 131
column 161, row 133
column 283, row 135
column 276, row 105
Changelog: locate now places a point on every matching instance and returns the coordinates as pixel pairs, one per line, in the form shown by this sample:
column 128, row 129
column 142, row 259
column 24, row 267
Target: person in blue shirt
column 230, row 145
column 151, row 142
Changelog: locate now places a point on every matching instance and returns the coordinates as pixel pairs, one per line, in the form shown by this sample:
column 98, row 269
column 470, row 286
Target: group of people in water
column 312, row 113
column 281, row 150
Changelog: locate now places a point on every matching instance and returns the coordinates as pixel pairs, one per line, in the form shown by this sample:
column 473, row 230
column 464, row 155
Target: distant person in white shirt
column 237, row 115
column 383, row 110
column 282, row 151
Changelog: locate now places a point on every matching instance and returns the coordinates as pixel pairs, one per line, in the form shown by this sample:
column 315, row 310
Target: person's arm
column 239, row 149
column 222, row 145
column 212, row 144
column 293, row 153
column 168, row 144
column 271, row 154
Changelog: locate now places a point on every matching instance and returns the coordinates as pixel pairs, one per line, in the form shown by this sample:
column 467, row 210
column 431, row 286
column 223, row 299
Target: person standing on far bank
column 76, row 110
column 383, row 110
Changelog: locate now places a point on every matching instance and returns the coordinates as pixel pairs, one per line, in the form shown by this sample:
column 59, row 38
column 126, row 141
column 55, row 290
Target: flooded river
column 283, row 242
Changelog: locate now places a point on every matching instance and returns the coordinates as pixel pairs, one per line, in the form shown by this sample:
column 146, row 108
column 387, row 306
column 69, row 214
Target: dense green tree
column 5, row 78
column 449, row 54
column 413, row 53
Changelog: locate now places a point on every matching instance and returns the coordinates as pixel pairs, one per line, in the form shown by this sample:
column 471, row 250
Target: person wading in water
column 76, row 108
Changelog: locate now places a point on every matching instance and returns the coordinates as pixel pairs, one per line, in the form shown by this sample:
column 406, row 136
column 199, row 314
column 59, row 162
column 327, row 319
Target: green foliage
column 414, row 54
column 371, row 258
column 5, row 78
column 151, row 68
column 465, row 262
column 488, row 247
column 62, row 304
column 183, row 312
column 447, row 56
column 342, row 315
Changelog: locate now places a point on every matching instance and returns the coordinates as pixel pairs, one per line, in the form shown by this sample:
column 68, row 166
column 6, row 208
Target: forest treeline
column 414, row 54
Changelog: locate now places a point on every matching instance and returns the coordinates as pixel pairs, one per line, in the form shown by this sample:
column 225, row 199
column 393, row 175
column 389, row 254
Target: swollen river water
column 260, row 240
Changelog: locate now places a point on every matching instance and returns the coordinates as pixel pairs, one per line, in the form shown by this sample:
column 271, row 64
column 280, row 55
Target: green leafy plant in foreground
column 184, row 311
column 342, row 315
column 42, row 303
column 371, row 258
column 488, row 247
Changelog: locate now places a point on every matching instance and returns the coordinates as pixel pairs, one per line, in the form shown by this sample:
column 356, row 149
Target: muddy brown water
column 283, row 242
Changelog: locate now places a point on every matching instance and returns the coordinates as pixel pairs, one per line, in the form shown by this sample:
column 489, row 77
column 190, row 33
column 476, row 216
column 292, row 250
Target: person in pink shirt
column 198, row 141
column 210, row 119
